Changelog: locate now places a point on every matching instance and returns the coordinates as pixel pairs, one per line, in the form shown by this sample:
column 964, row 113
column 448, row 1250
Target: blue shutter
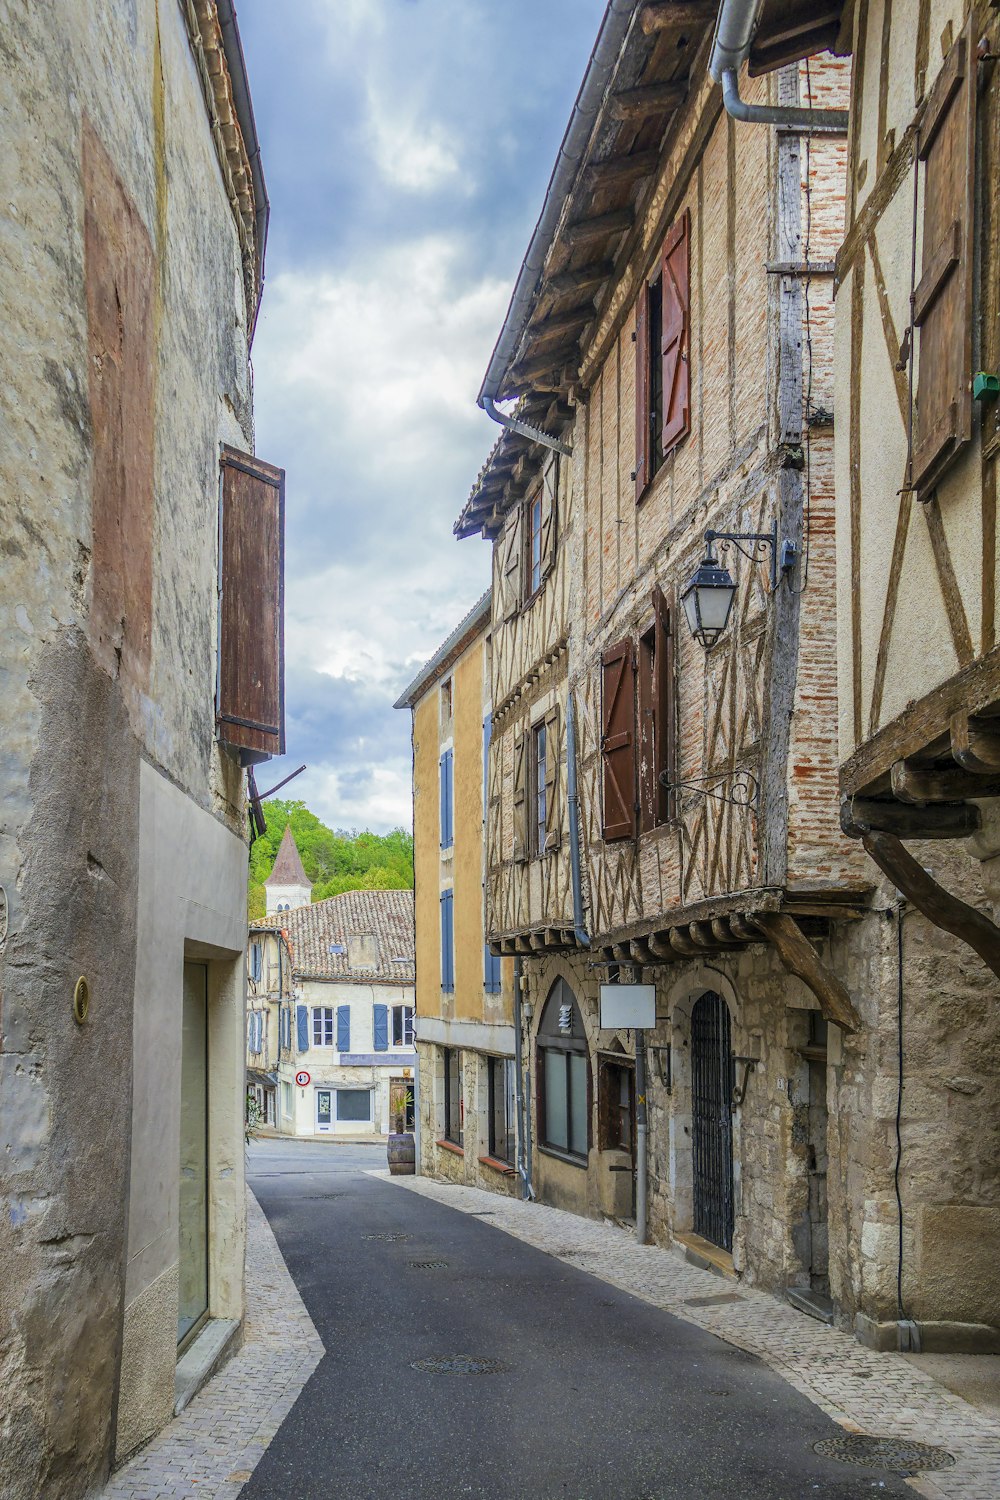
column 255, row 962
column 343, row 1028
column 381, row 1028
column 447, row 941
column 447, row 799
column 491, row 971
column 302, row 1016
column 487, row 737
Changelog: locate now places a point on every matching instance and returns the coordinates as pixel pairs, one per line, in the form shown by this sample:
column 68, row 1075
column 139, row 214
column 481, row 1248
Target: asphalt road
column 601, row 1397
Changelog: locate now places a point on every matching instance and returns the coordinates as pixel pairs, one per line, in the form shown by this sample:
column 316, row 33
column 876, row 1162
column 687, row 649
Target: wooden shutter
column 447, row 799
column 520, row 798
column 510, row 566
column 553, row 787
column 942, row 308
column 643, row 396
column 380, row 1027
column 250, row 696
column 663, row 706
column 618, row 742
column 675, row 334
column 302, row 1025
column 550, row 486
column 343, row 1028
column 447, row 941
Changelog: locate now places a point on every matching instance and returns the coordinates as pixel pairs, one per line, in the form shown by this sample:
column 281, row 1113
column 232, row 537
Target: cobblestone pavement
column 884, row 1395
column 211, row 1449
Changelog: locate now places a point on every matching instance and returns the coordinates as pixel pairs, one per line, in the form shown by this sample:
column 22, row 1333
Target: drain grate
column 428, row 1265
column 721, row 1299
column 390, row 1239
column 459, row 1364
column 898, row 1455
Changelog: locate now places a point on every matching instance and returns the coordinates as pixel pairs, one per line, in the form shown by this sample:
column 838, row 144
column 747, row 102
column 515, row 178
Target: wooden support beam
column 557, row 324
column 522, row 944
column 660, row 946
column 599, row 226
column 743, row 928
column 724, row 934
column 650, row 99
column 675, row 15
column 800, row 958
column 938, row 905
column 682, row 943
column 943, row 820
column 594, row 274
column 622, row 169
column 641, row 953
column 975, row 744
column 919, row 784
column 622, row 953
column 547, row 373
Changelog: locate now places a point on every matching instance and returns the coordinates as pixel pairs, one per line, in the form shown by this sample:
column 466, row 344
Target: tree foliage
column 334, row 861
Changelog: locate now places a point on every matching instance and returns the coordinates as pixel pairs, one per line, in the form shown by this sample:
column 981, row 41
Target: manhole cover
column 428, row 1265
column 721, row 1299
column 899, row 1455
column 459, row 1364
column 388, row 1238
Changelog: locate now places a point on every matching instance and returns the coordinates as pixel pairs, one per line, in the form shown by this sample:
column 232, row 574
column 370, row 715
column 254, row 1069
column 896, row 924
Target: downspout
column 614, row 29
column 573, row 800
column 733, row 34
column 520, row 1103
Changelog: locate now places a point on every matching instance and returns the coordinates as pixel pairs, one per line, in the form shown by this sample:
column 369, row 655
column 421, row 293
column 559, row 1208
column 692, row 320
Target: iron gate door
column 712, row 1120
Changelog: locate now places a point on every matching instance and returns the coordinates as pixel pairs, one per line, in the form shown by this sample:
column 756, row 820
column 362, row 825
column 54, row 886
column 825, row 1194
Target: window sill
column 566, row 1156
column 451, row 1146
column 496, row 1165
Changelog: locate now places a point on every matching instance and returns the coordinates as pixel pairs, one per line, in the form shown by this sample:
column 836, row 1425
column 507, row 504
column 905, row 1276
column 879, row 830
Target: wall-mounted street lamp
column 708, row 598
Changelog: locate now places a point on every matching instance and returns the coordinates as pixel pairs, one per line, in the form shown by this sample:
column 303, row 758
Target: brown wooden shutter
column 553, row 787
column 618, row 742
column 520, row 798
column 510, row 566
column 675, row 338
column 943, row 309
column 646, row 748
column 643, row 397
column 550, row 484
column 250, row 699
column 663, row 706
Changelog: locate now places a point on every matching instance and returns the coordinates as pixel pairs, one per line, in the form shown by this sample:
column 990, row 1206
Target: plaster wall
column 427, row 852
column 324, row 1063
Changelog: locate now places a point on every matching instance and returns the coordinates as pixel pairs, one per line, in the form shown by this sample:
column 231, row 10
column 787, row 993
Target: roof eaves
column 465, row 631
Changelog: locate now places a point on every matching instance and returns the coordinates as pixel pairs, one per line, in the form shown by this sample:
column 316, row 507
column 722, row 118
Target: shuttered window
column 943, row 301
column 520, row 798
column 447, row 779
column 662, row 351
column 655, row 717
column 618, row 742
column 380, row 1028
column 491, row 971
column 343, row 1028
column 250, row 692
column 302, row 1027
column 447, row 941
column 508, row 579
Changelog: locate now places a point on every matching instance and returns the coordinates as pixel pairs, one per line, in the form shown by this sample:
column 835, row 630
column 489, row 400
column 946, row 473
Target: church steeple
column 288, row 884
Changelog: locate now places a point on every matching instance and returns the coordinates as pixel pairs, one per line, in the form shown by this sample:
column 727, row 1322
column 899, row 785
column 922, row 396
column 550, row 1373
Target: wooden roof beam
column 599, row 227
column 649, row 99
column 579, row 279
column 918, row 784
column 675, row 15
column 622, row 169
column 801, row 959
column 560, row 323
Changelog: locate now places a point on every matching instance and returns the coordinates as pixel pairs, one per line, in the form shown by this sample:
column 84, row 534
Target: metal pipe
column 778, row 114
column 524, row 428
column 615, row 27
column 523, row 1160
column 641, row 1164
column 733, row 34
column 573, row 801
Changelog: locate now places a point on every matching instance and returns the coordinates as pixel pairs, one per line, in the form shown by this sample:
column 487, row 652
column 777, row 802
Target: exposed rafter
column 599, row 226
column 675, row 15
column 650, row 99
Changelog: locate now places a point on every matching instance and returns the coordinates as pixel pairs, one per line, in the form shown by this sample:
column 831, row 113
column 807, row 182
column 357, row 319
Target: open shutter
column 447, row 941
column 487, row 737
column 663, row 706
column 491, row 971
column 250, row 696
column 510, row 566
column 553, row 787
column 618, row 742
column 520, row 798
column 380, row 1028
column 343, row 1028
column 550, row 486
column 447, row 799
column 675, row 336
column 643, row 396
column 302, row 1024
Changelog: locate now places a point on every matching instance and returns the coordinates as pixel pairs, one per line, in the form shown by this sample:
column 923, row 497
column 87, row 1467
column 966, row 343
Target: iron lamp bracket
column 782, row 556
column 740, row 1089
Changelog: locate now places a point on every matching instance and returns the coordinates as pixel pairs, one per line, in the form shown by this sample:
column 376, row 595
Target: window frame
column 533, row 570
column 505, row 1067
column 653, row 446
column 340, row 1119
column 320, row 1013
column 450, row 1056
column 538, row 791
column 574, row 1044
column 402, row 1008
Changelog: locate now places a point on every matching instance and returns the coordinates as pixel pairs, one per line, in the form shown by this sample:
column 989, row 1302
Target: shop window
column 354, row 1105
column 501, row 1108
column 454, row 1104
column 563, row 1076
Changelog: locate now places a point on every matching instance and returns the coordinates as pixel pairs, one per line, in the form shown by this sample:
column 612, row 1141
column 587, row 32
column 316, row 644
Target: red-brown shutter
column 250, row 700
column 663, row 705
column 643, row 397
column 943, row 309
column 675, row 338
column 618, row 742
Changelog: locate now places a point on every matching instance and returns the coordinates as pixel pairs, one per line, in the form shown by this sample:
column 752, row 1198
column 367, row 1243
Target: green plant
column 254, row 1118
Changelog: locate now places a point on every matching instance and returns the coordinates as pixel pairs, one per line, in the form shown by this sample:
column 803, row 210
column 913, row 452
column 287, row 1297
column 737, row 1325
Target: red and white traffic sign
column 302, row 1078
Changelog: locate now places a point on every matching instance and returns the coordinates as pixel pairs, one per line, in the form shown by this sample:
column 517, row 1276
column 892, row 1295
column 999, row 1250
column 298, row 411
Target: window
column 250, row 693
column 501, row 1108
column 662, row 341
column 446, row 707
column 322, row 1026
column 537, row 801
column 402, row 1025
column 286, row 1098
column 354, row 1104
column 285, row 1027
column 447, row 779
column 256, row 962
column 255, row 1032
column 616, row 1107
column 534, row 568
column 538, row 789
column 491, row 971
column 563, row 1076
column 454, row 1104
column 637, row 729
column 447, row 941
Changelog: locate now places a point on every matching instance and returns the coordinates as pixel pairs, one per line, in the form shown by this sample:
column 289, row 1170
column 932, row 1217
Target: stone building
column 668, row 802
column 918, row 434
column 269, row 1018
column 142, row 674
column 470, row 1098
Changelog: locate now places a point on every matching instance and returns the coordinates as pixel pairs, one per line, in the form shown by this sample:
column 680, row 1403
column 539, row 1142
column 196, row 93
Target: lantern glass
column 707, row 601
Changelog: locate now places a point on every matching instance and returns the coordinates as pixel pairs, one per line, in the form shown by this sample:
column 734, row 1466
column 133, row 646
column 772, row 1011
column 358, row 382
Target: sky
column 406, row 146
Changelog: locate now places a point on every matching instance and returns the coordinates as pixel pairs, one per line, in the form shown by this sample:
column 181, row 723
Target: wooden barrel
column 402, row 1155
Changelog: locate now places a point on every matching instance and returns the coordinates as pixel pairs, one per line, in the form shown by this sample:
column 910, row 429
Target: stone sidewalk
column 211, row 1449
column 883, row 1395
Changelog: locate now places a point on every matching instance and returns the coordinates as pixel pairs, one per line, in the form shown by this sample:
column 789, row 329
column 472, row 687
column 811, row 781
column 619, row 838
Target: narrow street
column 596, row 1394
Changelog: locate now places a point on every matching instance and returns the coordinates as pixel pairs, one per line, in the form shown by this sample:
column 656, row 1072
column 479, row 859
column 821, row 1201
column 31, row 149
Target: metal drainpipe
column 520, row 1103
column 733, row 35
column 524, row 428
column 641, row 1164
column 573, row 801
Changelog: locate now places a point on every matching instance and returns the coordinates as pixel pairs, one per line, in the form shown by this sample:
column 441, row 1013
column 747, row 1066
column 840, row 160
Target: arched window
column 563, row 1076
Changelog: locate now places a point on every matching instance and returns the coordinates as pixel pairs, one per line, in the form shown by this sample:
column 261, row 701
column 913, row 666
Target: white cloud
column 409, row 156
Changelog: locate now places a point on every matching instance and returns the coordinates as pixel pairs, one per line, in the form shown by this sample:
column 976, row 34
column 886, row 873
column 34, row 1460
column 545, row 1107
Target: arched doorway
column 712, row 1119
column 563, row 1080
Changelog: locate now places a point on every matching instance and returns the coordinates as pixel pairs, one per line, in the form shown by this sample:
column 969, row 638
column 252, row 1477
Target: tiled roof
column 287, row 868
column 385, row 918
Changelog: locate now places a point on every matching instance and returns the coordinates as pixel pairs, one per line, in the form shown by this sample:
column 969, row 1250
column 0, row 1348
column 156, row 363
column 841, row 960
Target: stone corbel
column 801, row 959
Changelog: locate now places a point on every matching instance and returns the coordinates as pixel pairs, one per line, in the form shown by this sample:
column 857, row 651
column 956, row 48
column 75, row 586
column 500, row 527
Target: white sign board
column 628, row 1007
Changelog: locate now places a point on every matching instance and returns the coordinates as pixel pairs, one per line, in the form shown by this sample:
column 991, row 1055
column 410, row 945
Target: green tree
column 334, row 861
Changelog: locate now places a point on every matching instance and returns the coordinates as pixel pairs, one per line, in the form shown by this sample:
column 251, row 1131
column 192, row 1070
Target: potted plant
column 401, row 1149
